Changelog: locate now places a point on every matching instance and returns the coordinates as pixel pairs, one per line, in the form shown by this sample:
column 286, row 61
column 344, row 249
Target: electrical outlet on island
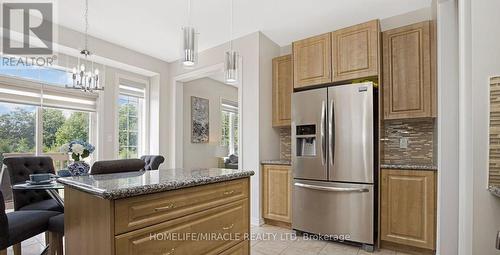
column 403, row 142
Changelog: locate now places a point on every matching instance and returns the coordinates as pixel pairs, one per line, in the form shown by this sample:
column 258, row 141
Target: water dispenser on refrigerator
column 306, row 140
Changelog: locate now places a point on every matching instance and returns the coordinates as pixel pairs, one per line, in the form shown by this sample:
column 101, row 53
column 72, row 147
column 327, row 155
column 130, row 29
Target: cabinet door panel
column 277, row 193
column 282, row 90
column 356, row 51
column 312, row 61
column 407, row 84
column 408, row 204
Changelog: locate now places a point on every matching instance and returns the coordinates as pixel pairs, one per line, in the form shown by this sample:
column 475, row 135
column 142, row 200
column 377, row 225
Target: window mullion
column 39, row 131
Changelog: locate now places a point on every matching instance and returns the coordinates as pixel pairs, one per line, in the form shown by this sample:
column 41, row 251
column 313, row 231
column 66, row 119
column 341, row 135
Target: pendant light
column 84, row 76
column 189, row 43
column 231, row 56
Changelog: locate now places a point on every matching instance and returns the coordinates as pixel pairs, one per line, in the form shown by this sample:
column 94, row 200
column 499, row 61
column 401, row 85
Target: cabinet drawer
column 173, row 237
column 142, row 211
column 239, row 249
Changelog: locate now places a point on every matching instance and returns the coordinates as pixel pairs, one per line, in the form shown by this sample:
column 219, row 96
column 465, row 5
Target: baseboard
column 277, row 223
column 406, row 249
column 256, row 221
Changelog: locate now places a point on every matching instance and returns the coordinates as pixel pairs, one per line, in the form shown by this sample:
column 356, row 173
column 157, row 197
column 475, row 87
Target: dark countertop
column 277, row 162
column 130, row 184
column 409, row 167
column 495, row 190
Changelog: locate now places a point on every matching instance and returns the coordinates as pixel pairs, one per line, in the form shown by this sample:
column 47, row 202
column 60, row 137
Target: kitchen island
column 173, row 211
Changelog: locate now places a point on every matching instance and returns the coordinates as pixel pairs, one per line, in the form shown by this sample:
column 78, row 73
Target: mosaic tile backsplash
column 285, row 143
column 420, row 147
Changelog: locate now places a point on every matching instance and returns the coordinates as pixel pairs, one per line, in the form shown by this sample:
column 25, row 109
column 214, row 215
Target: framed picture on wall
column 199, row 120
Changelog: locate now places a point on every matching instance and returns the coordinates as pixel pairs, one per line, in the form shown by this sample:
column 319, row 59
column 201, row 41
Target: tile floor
column 300, row 246
column 32, row 246
column 268, row 242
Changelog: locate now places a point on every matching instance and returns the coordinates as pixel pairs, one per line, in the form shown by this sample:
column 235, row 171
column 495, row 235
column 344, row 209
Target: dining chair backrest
column 117, row 166
column 19, row 169
column 153, row 162
column 4, row 223
column 60, row 159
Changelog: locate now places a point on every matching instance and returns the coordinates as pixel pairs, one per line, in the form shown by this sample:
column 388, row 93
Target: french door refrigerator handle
column 322, row 131
column 331, row 132
column 333, row 189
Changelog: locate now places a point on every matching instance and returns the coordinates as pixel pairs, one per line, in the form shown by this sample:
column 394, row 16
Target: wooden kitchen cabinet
column 312, row 61
column 408, row 85
column 356, row 51
column 277, row 193
column 282, row 91
column 408, row 208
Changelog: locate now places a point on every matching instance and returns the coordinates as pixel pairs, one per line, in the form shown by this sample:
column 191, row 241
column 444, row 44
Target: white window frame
column 143, row 129
column 222, row 100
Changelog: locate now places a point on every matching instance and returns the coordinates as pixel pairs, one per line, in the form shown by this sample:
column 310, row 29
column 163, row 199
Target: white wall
column 448, row 131
column 202, row 155
column 250, row 142
column 125, row 59
column 406, row 19
column 485, row 21
column 269, row 137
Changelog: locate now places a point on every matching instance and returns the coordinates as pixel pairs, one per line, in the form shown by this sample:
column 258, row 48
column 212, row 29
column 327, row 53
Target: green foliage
column 127, row 124
column 17, row 129
column 53, row 119
column 74, row 128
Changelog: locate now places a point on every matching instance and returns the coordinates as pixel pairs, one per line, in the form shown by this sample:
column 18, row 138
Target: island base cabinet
column 208, row 232
column 205, row 219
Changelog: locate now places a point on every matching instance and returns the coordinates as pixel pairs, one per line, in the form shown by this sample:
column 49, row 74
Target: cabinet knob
column 170, row 206
column 228, row 192
column 228, row 227
column 171, row 252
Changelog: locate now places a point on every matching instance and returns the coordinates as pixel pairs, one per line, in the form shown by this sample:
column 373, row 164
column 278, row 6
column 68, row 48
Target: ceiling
column 153, row 27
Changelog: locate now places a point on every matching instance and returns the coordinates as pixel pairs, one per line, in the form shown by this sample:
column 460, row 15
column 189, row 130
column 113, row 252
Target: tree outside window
column 129, row 109
column 229, row 124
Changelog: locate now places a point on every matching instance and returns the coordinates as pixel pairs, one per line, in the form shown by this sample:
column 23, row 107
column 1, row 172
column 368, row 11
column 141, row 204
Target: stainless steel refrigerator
column 333, row 160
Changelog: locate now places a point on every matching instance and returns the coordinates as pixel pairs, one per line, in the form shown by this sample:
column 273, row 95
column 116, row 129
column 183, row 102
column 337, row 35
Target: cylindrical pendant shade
column 189, row 47
column 231, row 67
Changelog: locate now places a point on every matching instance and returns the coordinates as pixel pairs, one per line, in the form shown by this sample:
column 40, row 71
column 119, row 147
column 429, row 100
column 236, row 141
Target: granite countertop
column 276, row 162
column 409, row 166
column 129, row 184
column 495, row 190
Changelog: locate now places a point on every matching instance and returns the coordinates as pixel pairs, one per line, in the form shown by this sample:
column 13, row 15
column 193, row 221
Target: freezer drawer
column 329, row 208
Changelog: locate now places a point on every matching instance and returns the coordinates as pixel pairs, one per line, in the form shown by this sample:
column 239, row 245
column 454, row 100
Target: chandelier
column 84, row 76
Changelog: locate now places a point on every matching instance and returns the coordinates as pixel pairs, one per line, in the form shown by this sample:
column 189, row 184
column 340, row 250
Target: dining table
column 51, row 188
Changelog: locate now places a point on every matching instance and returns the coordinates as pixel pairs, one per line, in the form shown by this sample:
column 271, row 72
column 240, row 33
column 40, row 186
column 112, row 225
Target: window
column 17, row 128
column 51, row 76
column 61, row 126
column 229, row 110
column 52, row 115
column 131, row 120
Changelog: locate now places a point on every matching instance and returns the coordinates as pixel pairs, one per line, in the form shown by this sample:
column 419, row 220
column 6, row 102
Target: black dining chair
column 56, row 233
column 18, row 226
column 117, row 166
column 19, row 169
column 153, row 162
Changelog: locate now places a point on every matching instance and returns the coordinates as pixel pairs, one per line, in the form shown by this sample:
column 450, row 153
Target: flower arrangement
column 78, row 149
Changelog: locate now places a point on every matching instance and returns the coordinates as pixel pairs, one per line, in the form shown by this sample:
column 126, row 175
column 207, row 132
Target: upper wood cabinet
column 408, row 207
column 312, row 63
column 277, row 193
column 282, row 90
column 408, row 85
column 356, row 51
